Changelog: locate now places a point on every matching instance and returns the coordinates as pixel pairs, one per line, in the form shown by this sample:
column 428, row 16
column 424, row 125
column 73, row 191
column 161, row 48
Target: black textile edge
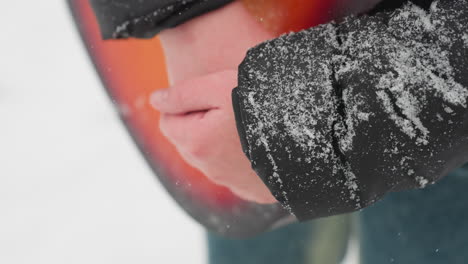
column 155, row 20
column 240, row 122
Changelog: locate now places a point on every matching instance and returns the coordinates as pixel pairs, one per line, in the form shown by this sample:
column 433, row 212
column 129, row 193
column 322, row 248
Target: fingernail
column 159, row 97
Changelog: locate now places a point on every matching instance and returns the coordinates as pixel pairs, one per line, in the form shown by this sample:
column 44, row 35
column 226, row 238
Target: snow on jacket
column 334, row 117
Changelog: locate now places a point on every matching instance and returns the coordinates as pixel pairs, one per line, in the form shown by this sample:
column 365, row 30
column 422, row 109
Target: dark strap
column 146, row 18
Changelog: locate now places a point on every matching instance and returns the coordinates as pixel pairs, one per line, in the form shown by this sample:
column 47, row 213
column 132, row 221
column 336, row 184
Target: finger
column 194, row 133
column 201, row 94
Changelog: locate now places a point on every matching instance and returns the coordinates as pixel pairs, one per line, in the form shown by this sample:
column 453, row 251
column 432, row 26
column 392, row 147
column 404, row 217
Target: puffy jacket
column 334, row 117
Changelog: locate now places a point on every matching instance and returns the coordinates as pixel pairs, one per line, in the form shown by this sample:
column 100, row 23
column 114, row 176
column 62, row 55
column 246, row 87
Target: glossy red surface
column 131, row 70
column 282, row 16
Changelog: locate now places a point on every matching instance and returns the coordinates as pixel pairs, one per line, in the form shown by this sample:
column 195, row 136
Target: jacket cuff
column 334, row 117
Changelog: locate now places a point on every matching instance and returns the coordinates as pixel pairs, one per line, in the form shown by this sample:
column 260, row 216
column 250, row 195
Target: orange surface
column 283, row 16
column 131, row 70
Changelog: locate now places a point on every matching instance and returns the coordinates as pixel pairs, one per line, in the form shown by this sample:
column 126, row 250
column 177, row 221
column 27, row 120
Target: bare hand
column 202, row 56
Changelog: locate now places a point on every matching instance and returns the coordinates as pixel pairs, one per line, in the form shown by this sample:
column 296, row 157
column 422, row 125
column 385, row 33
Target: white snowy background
column 73, row 187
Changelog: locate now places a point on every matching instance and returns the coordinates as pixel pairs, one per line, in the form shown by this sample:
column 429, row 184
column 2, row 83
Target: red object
column 131, row 70
column 283, row 16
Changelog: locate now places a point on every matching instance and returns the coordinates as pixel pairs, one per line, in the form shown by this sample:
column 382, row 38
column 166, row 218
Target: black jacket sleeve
column 146, row 18
column 334, row 117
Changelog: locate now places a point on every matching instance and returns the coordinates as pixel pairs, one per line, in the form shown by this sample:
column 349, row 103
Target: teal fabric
column 428, row 226
column 322, row 241
column 282, row 246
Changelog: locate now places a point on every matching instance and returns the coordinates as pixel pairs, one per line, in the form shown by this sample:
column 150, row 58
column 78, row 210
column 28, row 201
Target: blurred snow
column 73, row 188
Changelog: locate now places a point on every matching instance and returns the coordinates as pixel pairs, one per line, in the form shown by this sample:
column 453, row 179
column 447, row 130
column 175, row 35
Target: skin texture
column 202, row 57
